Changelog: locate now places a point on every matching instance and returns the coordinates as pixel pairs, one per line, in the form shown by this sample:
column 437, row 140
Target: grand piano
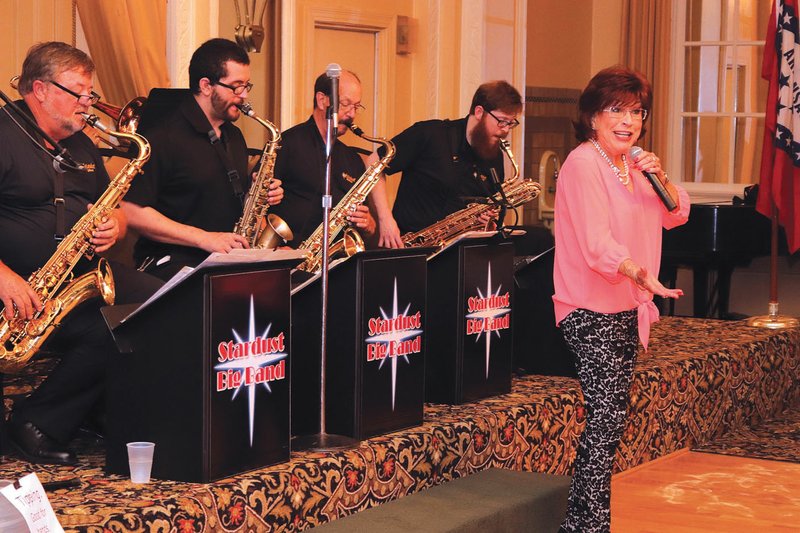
column 717, row 239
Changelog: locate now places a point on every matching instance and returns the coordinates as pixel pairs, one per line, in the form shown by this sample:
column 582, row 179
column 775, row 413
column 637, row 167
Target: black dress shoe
column 37, row 447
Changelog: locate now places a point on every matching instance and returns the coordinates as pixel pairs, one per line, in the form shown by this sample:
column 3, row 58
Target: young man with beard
column 190, row 195
column 300, row 163
column 445, row 161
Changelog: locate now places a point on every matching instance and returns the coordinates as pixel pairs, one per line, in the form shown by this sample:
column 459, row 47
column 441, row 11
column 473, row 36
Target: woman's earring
column 593, row 126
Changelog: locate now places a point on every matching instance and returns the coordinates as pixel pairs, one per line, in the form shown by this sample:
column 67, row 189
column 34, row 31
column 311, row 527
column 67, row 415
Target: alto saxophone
column 54, row 283
column 441, row 233
column 254, row 215
column 351, row 241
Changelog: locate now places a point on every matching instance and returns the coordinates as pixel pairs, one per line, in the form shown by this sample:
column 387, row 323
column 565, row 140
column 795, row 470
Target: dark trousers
column 72, row 389
column 605, row 350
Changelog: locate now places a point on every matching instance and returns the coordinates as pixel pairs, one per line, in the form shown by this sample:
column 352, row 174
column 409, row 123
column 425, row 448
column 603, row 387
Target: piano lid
column 720, row 228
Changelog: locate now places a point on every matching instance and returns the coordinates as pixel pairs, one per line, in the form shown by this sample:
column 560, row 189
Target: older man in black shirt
column 56, row 85
column 445, row 162
column 189, row 198
column 301, row 162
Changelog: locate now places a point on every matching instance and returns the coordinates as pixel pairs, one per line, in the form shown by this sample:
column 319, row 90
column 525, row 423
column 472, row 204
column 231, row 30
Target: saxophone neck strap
column 233, row 175
column 58, row 202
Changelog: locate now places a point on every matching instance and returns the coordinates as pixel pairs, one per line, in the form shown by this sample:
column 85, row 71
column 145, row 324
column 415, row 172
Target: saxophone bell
column 276, row 233
column 350, row 244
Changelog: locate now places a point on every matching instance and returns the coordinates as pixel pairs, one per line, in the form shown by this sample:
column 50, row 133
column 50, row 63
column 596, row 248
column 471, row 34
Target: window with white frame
column 718, row 97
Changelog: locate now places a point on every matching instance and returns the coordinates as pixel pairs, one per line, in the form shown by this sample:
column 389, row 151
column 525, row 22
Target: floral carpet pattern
column 777, row 439
column 701, row 379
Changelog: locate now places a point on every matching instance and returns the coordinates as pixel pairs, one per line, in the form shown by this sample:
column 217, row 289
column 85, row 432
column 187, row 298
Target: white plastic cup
column 140, row 460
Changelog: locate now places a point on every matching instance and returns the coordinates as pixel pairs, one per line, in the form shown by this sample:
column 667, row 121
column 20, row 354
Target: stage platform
column 700, row 379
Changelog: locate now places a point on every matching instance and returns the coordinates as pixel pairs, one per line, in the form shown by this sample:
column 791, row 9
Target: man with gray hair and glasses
column 38, row 207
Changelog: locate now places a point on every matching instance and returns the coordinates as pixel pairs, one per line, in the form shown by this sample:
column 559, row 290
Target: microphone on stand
column 661, row 191
column 333, row 71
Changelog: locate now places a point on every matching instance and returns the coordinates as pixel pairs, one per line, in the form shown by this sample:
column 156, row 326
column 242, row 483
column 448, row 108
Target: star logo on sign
column 390, row 337
column 254, row 362
column 489, row 313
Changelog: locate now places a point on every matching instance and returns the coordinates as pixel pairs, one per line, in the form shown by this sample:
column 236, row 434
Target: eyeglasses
column 237, row 89
column 503, row 123
column 619, row 112
column 83, row 99
column 345, row 107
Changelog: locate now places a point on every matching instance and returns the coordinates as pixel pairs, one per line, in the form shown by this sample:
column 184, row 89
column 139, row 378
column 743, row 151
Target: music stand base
column 773, row 322
column 322, row 442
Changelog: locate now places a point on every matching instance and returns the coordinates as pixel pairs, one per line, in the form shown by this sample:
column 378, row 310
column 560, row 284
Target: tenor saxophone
column 351, row 241
column 54, row 283
column 252, row 225
column 441, row 233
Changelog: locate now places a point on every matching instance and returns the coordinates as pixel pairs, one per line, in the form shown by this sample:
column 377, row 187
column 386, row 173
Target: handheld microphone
column 333, row 71
column 661, row 191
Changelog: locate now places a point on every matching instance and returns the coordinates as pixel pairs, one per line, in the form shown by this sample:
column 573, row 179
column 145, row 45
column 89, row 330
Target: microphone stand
column 323, row 440
column 503, row 205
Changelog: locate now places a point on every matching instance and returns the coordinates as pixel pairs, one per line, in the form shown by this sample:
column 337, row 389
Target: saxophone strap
column 233, row 175
column 59, row 203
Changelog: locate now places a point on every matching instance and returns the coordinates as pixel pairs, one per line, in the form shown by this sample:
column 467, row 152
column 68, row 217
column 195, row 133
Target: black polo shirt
column 186, row 179
column 27, row 177
column 439, row 169
column 300, row 164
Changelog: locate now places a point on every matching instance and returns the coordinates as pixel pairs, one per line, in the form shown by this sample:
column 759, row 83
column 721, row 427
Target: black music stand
column 205, row 369
column 470, row 297
column 375, row 360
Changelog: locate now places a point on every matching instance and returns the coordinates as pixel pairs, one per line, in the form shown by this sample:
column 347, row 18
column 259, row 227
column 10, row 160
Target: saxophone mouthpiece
column 355, row 129
column 247, row 109
column 94, row 120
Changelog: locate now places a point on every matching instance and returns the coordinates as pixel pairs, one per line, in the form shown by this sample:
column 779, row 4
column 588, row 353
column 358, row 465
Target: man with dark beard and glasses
column 190, row 195
column 300, row 163
column 445, row 162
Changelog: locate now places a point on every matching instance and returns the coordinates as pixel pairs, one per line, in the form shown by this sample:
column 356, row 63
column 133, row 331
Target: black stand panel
column 207, row 378
column 470, row 294
column 539, row 346
column 375, row 346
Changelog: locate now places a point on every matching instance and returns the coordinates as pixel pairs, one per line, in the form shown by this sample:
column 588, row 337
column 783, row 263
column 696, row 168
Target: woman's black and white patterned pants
column 605, row 348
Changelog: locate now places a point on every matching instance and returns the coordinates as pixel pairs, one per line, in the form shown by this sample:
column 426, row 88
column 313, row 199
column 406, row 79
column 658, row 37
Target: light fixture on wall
column 250, row 35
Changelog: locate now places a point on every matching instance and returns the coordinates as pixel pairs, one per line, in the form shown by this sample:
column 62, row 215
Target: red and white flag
column 780, row 158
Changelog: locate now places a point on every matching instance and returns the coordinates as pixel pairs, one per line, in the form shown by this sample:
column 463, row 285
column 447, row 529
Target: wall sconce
column 405, row 34
column 250, row 35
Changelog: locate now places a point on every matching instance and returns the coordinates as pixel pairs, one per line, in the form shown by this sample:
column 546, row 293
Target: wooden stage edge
column 700, row 379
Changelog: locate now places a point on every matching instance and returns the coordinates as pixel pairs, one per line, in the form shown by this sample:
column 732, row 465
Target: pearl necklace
column 623, row 177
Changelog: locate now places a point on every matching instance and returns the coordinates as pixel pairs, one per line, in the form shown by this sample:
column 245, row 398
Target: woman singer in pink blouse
column 608, row 222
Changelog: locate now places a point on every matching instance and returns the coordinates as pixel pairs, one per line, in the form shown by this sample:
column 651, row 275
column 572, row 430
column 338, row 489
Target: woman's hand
column 649, row 162
column 647, row 281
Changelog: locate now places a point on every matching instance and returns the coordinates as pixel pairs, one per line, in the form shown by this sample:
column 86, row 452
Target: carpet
column 777, row 439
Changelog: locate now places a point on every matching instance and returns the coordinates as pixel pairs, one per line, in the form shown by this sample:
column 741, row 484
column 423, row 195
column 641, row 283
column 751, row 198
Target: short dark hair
column 498, row 94
column 45, row 61
column 611, row 86
column 324, row 85
column 208, row 61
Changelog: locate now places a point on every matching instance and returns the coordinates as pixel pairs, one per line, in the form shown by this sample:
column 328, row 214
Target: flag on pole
column 780, row 157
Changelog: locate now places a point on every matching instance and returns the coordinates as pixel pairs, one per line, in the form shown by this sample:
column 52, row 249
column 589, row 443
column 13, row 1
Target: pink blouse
column 598, row 224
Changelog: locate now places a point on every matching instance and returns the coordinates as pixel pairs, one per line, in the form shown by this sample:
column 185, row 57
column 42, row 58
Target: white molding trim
column 520, row 53
column 185, row 34
column 288, row 60
column 473, row 46
column 675, row 125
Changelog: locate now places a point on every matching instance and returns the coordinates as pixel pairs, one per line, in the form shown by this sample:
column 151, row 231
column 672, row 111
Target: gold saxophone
column 441, row 233
column 55, row 284
column 251, row 224
column 351, row 241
